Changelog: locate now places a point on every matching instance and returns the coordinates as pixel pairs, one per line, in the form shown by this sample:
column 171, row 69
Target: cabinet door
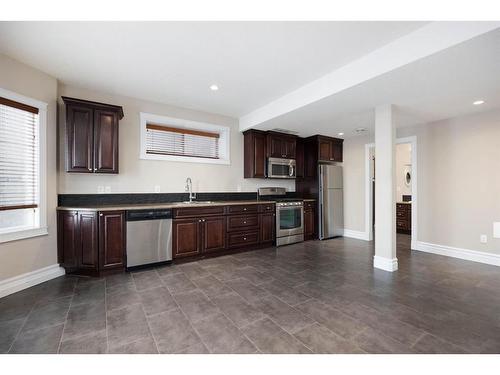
column 87, row 240
column 80, row 139
column 267, row 227
column 105, row 141
column 276, row 148
column 309, row 220
column 259, row 161
column 214, row 234
column 186, row 239
column 324, row 146
column 290, row 146
column 67, row 238
column 337, row 151
column 112, row 239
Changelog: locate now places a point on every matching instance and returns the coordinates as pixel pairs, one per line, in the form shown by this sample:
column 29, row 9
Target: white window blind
column 167, row 140
column 18, row 155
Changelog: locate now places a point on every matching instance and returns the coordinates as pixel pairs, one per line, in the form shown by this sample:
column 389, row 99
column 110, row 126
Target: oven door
column 281, row 168
column 289, row 221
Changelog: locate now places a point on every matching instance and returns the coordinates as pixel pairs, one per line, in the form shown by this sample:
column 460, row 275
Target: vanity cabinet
column 90, row 242
column 91, row 136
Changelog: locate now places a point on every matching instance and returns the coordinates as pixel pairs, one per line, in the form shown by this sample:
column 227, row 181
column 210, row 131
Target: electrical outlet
column 157, row 188
column 100, row 189
column 483, row 238
column 107, row 189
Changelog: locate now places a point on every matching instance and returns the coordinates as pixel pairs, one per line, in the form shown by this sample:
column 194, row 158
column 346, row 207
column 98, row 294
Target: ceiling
column 441, row 86
column 253, row 63
column 257, row 63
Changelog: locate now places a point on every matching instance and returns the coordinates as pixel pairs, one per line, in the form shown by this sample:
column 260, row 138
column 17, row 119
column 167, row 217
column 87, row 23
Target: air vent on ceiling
column 279, row 130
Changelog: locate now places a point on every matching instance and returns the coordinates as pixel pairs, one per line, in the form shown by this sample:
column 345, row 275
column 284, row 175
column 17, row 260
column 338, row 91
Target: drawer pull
column 244, row 222
column 244, row 238
column 244, row 209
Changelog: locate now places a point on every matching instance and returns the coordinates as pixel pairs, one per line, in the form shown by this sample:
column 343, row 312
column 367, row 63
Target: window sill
column 23, row 234
column 185, row 159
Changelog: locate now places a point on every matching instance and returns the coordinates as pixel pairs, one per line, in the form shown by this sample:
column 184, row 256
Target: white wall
column 140, row 176
column 458, row 181
column 403, row 163
column 23, row 256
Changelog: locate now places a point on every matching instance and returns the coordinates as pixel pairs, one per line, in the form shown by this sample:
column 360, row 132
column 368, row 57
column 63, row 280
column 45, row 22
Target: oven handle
column 292, row 170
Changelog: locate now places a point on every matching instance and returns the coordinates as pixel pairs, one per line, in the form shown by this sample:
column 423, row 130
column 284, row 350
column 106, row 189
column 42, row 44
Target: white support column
column 385, row 210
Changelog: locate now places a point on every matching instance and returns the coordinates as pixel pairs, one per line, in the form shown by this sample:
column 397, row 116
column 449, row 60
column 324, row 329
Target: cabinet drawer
column 402, row 206
column 401, row 214
column 243, row 239
column 240, row 209
column 309, row 206
column 242, row 222
column 198, row 211
column 267, row 207
column 402, row 224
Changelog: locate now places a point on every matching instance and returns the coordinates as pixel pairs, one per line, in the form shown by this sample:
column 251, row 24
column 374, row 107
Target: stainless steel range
column 289, row 215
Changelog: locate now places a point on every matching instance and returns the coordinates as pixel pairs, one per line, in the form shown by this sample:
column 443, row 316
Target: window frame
column 40, row 229
column 223, row 131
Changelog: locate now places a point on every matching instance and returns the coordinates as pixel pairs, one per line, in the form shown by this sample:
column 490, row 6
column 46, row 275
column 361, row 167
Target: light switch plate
column 100, row 189
column 483, row 238
column 157, row 188
column 107, row 189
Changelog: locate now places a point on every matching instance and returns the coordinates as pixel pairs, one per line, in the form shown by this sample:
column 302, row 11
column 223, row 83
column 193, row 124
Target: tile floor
column 313, row 297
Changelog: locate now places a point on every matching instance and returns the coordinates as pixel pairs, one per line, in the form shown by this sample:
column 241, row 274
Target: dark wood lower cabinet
column 268, row 227
column 112, row 238
column 214, row 234
column 88, row 253
column 310, row 219
column 91, row 243
column 209, row 232
column 186, row 237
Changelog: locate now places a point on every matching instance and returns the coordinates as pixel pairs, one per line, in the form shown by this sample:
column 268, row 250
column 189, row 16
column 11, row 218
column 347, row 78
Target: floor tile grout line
column 21, row 328
column 238, row 328
column 106, row 313
column 66, row 320
column 191, row 325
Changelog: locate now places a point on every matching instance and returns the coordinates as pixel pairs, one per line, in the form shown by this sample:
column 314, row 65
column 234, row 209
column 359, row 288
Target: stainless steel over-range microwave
column 281, row 168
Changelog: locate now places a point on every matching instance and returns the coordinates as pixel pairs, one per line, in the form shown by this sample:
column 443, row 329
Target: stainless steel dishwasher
column 149, row 237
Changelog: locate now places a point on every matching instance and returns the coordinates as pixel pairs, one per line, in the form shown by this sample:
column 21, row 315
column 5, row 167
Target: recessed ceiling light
column 214, row 87
column 361, row 130
column 478, row 102
column 341, row 133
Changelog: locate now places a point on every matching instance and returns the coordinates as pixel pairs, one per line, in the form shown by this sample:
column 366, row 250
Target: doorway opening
column 406, row 190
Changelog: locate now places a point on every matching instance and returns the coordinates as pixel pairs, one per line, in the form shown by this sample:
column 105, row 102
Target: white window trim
column 224, row 131
column 41, row 228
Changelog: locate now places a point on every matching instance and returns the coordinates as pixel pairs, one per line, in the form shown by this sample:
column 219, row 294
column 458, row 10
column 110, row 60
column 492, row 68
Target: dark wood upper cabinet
column 112, row 240
column 254, row 154
column 105, row 141
column 280, row 145
column 91, row 136
column 330, row 149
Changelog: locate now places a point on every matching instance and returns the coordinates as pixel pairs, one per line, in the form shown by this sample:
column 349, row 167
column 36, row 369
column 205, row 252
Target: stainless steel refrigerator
column 331, row 201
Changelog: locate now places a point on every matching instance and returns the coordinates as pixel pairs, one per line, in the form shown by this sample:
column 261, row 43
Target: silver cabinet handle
column 90, row 169
column 244, row 209
column 101, row 215
column 244, row 222
column 244, row 238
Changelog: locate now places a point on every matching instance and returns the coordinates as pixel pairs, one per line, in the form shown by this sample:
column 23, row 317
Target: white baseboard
column 385, row 264
column 356, row 234
column 455, row 252
column 18, row 283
